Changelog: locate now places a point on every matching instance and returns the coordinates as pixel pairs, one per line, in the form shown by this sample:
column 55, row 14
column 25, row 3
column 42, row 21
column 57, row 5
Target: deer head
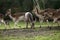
column 8, row 12
column 34, row 10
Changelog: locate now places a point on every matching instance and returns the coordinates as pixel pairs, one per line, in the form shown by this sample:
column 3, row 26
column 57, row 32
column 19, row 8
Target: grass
column 51, row 36
column 22, row 25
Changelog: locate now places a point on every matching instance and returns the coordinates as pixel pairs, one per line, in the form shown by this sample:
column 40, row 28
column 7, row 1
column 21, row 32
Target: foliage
column 27, row 5
column 16, row 5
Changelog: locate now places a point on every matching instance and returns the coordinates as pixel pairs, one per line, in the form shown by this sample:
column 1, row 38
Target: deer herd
column 27, row 17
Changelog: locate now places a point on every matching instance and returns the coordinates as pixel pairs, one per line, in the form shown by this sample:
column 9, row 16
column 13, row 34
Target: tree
column 36, row 4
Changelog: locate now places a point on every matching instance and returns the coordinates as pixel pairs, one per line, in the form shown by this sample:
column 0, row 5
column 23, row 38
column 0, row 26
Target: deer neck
column 11, row 17
column 36, row 11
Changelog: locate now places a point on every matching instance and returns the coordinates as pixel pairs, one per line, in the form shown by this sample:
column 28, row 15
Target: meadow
column 22, row 24
column 38, row 33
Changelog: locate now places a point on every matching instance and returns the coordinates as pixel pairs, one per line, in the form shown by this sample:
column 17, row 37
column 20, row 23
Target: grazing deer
column 29, row 17
column 2, row 20
column 26, row 16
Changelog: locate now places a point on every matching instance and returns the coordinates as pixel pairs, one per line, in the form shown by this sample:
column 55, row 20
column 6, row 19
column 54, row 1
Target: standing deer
column 26, row 16
column 53, row 14
column 40, row 15
column 3, row 21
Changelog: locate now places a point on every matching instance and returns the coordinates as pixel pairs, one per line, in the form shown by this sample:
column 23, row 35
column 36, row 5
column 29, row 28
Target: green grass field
column 38, row 34
column 54, row 36
column 50, row 35
column 22, row 25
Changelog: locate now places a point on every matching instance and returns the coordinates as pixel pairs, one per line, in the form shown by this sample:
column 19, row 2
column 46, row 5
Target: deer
column 3, row 21
column 53, row 14
column 25, row 16
column 40, row 15
column 56, row 16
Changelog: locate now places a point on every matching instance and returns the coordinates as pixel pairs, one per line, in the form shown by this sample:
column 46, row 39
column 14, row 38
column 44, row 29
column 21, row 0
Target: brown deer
column 53, row 14
column 43, row 15
column 56, row 16
column 16, row 17
column 40, row 14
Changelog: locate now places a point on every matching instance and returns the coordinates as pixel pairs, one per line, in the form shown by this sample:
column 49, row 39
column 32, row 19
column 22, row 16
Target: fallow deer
column 16, row 17
column 2, row 20
column 40, row 14
column 53, row 14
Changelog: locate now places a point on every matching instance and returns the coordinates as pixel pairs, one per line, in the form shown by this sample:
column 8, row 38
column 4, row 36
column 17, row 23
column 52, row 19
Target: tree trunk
column 38, row 7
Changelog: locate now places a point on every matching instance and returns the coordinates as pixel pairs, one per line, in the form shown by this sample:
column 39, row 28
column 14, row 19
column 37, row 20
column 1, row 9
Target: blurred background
column 27, row 5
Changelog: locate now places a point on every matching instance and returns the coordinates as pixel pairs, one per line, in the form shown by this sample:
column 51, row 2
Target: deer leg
column 15, row 24
column 7, row 23
column 26, row 21
column 32, row 24
column 47, row 23
column 54, row 20
column 4, row 23
column 26, row 24
column 40, row 22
